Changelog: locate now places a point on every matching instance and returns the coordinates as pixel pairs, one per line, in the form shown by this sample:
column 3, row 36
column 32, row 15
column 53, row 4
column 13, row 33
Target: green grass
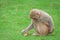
column 14, row 16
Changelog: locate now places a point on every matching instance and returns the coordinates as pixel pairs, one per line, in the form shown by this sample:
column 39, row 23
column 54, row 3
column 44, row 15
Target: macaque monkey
column 41, row 21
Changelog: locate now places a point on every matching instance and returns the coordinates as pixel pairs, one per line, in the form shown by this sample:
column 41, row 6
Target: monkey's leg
column 42, row 29
column 36, row 34
column 36, row 31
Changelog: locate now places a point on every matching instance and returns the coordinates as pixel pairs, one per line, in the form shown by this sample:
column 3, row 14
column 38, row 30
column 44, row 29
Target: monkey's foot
column 35, row 34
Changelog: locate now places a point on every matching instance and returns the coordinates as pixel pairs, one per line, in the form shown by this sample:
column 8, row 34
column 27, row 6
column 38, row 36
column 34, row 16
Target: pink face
column 35, row 15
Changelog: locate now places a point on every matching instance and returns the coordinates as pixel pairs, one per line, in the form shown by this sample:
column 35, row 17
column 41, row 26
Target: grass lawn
column 14, row 16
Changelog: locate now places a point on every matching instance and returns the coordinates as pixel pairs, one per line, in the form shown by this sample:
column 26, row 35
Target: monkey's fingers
column 22, row 32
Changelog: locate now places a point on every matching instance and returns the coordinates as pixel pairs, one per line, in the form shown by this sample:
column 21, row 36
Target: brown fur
column 40, row 23
column 40, row 28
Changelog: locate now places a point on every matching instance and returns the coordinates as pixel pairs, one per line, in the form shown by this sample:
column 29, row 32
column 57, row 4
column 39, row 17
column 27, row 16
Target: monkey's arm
column 28, row 28
column 51, row 25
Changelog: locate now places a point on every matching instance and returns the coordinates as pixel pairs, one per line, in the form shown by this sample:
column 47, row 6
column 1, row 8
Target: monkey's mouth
column 33, row 18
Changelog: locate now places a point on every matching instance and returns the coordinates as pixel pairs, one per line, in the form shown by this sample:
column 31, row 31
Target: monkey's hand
column 23, row 31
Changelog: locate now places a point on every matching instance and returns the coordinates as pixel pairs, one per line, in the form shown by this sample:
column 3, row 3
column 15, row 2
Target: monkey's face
column 35, row 15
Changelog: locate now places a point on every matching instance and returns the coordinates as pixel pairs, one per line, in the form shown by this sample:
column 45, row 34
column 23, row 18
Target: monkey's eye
column 33, row 15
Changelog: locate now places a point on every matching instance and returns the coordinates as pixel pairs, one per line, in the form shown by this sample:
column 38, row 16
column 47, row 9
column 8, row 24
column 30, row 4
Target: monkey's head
column 35, row 14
